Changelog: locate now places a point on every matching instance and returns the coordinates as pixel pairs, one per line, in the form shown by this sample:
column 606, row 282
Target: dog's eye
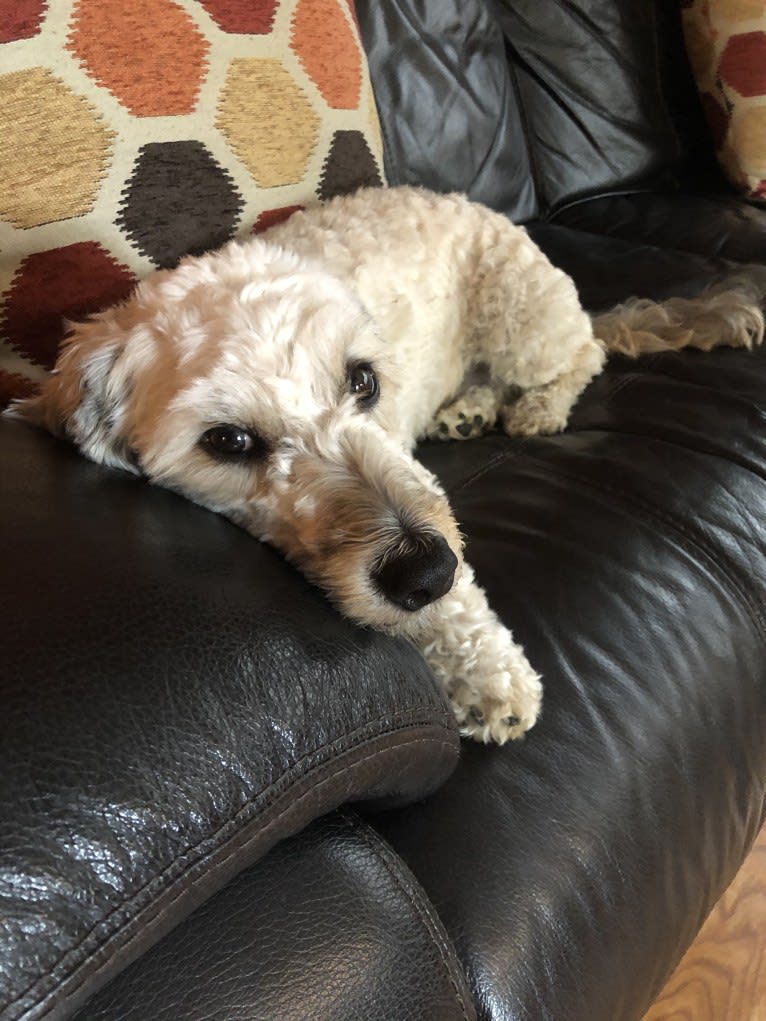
column 364, row 384
column 232, row 441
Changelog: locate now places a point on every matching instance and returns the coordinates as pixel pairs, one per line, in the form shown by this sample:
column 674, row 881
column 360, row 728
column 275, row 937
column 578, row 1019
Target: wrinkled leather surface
column 525, row 106
column 587, row 76
column 330, row 926
column 175, row 700
column 449, row 113
column 629, row 556
column 707, row 225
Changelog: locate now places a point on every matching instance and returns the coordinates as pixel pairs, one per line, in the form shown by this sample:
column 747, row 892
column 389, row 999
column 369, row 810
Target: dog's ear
column 84, row 397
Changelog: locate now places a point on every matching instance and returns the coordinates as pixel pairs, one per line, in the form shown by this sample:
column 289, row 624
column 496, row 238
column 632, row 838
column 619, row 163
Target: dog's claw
column 474, row 724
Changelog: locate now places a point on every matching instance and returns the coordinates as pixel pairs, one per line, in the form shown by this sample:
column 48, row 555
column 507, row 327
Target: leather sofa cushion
column 708, row 225
column 609, row 269
column 176, row 699
column 628, row 555
column 330, row 925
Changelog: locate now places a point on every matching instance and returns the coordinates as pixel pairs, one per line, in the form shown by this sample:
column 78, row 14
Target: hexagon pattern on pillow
column 136, row 133
column 726, row 43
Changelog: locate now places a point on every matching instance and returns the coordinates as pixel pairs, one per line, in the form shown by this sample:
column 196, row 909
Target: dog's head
column 256, row 385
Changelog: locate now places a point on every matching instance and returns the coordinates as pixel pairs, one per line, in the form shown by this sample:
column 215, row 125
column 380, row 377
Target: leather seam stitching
column 415, row 897
column 501, row 457
column 267, row 796
column 68, row 996
column 658, row 438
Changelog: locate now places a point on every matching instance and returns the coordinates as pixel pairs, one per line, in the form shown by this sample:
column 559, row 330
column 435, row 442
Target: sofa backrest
column 449, row 114
column 526, row 105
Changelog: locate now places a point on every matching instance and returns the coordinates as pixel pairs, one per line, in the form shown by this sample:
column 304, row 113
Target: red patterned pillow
column 726, row 42
column 134, row 133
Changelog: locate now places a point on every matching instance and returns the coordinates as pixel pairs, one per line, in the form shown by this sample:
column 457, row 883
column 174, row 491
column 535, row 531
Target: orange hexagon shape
column 325, row 44
column 148, row 53
column 48, row 174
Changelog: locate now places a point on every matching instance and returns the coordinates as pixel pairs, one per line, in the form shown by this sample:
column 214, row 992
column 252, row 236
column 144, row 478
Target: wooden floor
column 723, row 975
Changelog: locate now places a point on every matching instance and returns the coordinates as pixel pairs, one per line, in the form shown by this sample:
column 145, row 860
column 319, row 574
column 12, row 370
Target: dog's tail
column 728, row 315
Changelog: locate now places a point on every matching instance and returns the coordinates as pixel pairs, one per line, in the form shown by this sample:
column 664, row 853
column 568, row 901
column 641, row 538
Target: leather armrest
column 176, row 700
column 330, row 924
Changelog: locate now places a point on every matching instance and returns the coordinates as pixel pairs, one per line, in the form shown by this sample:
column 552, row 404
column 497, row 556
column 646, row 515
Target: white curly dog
column 284, row 380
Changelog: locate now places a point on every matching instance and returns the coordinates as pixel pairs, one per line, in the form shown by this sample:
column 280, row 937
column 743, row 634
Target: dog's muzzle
column 418, row 577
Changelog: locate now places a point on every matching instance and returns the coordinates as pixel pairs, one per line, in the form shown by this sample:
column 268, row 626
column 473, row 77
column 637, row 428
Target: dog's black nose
column 420, row 576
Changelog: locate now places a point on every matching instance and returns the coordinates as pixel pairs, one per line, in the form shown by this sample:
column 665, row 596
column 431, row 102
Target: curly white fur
column 464, row 322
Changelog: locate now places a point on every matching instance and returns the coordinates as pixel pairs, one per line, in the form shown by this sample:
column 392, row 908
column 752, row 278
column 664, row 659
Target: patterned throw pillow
column 726, row 42
column 133, row 133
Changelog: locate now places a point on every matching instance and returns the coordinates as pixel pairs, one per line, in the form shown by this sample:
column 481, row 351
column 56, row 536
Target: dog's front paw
column 457, row 426
column 495, row 693
column 503, row 710
column 470, row 415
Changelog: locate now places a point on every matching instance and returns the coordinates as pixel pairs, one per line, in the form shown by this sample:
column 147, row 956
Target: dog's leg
column 494, row 691
column 528, row 328
column 543, row 410
column 471, row 414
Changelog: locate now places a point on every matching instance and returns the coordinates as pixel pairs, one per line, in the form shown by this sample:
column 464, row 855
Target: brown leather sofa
column 219, row 801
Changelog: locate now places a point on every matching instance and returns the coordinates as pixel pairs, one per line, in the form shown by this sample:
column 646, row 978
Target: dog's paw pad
column 471, row 414
column 458, row 425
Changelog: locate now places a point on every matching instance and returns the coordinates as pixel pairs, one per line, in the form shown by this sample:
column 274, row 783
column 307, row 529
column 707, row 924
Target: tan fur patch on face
column 344, row 507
